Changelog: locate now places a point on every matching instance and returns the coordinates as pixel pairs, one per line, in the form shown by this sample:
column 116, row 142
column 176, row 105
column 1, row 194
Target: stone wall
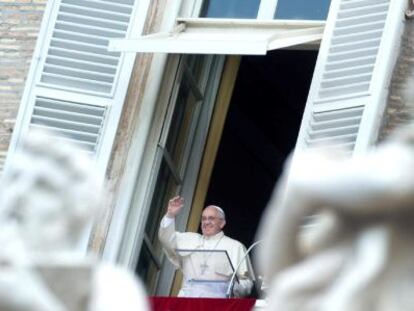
column 118, row 164
column 19, row 27
column 399, row 111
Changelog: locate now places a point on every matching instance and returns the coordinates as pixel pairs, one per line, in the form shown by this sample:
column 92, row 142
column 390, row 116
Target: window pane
column 146, row 269
column 165, row 188
column 196, row 65
column 231, row 8
column 302, row 9
column 178, row 136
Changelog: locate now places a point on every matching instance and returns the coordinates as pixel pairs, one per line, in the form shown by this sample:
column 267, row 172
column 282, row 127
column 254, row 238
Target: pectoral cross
column 203, row 268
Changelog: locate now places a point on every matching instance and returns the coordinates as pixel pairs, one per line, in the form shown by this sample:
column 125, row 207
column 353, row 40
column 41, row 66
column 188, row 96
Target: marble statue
column 409, row 13
column 48, row 195
column 338, row 232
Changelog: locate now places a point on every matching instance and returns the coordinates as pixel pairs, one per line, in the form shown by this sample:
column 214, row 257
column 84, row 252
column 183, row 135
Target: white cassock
column 199, row 266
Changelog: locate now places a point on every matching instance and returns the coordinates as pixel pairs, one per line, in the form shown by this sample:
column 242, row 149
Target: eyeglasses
column 209, row 218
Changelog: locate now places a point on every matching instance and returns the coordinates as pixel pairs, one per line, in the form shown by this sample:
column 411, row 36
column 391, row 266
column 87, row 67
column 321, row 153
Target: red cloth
column 201, row 304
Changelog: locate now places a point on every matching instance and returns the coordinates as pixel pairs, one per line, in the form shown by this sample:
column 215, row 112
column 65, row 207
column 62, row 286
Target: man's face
column 211, row 221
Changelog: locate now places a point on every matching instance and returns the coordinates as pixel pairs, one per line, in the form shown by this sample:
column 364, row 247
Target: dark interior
column 260, row 132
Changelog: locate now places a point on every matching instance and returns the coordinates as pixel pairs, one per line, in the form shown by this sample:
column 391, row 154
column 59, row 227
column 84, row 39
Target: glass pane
column 230, row 8
column 146, row 269
column 181, row 123
column 179, row 138
column 195, row 65
column 165, row 188
column 302, row 9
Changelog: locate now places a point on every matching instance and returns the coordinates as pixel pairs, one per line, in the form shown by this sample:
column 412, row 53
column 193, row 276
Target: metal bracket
column 178, row 28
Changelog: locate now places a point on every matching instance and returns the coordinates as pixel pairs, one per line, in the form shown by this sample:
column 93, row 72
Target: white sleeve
column 168, row 239
column 167, row 221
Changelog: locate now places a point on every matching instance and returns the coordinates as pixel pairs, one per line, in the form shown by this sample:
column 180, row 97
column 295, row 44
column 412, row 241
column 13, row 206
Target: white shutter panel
column 77, row 57
column 75, row 86
column 80, row 123
column 349, row 87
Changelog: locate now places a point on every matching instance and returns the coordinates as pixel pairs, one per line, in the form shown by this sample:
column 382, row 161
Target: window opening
column 266, row 9
column 230, row 8
column 302, row 9
column 260, row 132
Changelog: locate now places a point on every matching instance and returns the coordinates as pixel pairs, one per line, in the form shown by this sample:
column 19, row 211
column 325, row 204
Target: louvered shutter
column 349, row 87
column 75, row 87
column 79, row 123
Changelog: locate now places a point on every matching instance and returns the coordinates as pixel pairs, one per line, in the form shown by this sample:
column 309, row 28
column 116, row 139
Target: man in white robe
column 209, row 262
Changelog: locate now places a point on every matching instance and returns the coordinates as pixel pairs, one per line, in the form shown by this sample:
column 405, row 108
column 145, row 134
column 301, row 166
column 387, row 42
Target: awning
column 225, row 36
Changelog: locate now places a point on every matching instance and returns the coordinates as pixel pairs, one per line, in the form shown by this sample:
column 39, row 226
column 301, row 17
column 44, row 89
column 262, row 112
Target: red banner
column 201, row 304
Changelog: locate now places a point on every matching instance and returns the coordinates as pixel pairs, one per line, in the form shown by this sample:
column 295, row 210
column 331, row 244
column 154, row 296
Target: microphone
column 230, row 287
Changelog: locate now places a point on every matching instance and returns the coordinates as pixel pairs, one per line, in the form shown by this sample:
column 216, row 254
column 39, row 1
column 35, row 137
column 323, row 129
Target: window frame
column 267, row 9
column 125, row 233
column 184, row 176
column 226, row 37
column 135, row 236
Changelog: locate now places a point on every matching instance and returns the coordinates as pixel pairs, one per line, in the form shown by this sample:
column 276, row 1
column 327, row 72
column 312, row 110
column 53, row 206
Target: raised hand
column 174, row 206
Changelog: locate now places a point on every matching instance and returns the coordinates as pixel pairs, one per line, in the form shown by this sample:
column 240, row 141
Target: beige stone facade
column 19, row 27
column 398, row 111
column 117, row 167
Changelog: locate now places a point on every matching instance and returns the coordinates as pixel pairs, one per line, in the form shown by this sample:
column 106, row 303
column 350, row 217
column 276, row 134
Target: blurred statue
column 48, row 195
column 409, row 13
column 339, row 231
column 357, row 254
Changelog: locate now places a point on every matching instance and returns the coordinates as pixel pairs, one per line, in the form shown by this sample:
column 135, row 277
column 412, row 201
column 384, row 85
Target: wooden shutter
column 354, row 66
column 75, row 86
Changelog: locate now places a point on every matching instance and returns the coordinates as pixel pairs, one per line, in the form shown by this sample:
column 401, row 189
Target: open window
column 344, row 99
column 184, row 128
column 172, row 172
